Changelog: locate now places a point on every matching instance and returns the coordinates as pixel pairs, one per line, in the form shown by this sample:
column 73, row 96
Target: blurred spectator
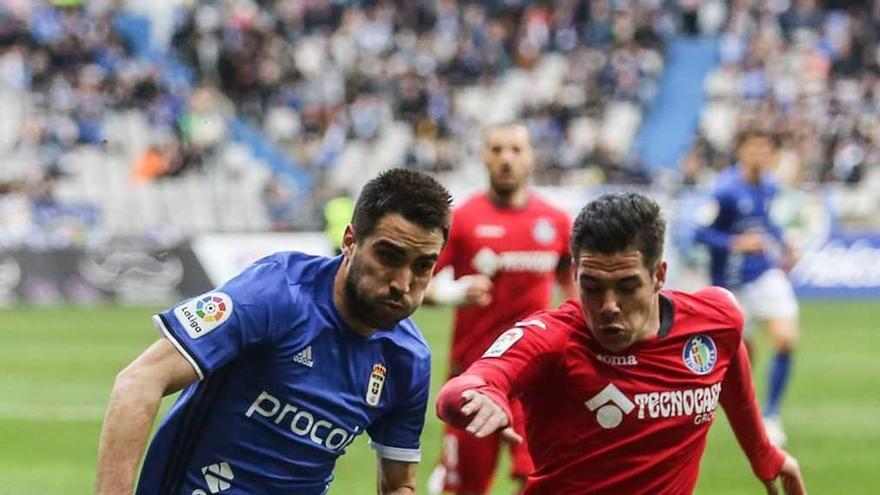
column 812, row 76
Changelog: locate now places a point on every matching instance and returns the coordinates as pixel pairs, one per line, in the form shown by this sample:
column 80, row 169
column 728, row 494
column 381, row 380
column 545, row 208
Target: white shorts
column 768, row 297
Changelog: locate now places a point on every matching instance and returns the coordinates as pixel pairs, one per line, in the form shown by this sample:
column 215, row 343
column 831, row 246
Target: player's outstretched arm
column 467, row 402
column 134, row 401
column 469, row 290
column 769, row 463
column 397, row 477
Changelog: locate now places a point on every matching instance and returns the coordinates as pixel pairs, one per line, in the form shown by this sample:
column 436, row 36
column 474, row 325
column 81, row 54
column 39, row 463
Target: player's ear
column 659, row 276
column 348, row 241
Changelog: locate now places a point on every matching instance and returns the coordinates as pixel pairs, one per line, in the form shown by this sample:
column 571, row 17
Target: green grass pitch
column 57, row 366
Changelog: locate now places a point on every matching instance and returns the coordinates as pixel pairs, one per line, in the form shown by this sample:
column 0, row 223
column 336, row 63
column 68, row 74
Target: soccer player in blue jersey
column 285, row 364
column 747, row 250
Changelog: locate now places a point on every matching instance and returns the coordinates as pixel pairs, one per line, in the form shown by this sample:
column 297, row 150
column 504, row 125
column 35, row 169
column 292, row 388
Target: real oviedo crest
column 700, row 354
column 374, row 387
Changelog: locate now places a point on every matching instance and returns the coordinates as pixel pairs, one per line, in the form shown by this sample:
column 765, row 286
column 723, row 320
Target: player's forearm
column 713, row 237
column 449, row 400
column 738, row 400
column 130, row 414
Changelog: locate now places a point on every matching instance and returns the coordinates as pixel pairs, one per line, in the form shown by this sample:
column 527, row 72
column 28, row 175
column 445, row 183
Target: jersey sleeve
column 722, row 307
column 507, row 369
column 212, row 329
column 395, row 436
column 711, row 233
column 739, row 403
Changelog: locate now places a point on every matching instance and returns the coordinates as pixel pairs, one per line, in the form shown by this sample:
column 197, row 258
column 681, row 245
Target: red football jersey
column 633, row 422
column 519, row 249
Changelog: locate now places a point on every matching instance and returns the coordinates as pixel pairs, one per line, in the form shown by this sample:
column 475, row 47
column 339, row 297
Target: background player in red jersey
column 505, row 249
column 620, row 388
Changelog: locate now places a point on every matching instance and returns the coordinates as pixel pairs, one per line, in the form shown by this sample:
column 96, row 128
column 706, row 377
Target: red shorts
column 467, row 463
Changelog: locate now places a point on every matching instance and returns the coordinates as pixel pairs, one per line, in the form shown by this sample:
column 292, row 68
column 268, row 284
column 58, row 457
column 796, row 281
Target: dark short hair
column 418, row 197
column 619, row 222
column 755, row 132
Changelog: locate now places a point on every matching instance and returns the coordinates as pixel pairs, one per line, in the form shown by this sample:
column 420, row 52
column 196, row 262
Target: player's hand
column 510, row 436
column 488, row 417
column 749, row 242
column 479, row 290
column 789, row 477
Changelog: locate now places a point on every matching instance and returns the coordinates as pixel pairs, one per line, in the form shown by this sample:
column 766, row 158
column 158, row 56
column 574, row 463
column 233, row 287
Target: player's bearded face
column 509, row 157
column 390, row 270
column 619, row 297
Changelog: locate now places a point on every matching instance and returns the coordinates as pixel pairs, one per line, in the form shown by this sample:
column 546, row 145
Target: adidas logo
column 304, row 357
column 218, row 476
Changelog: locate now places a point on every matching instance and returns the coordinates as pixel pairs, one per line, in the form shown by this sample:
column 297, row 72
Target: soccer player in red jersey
column 620, row 388
column 506, row 247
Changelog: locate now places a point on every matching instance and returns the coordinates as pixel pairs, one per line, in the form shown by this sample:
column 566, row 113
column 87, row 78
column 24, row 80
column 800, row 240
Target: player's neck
column 652, row 328
column 516, row 199
column 752, row 177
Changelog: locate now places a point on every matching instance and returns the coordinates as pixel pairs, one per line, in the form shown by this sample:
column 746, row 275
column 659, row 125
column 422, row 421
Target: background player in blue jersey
column 747, row 250
column 285, row 364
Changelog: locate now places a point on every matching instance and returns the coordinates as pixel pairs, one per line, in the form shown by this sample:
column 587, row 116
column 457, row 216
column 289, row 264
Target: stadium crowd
column 319, row 74
column 321, row 78
column 316, row 76
column 812, row 76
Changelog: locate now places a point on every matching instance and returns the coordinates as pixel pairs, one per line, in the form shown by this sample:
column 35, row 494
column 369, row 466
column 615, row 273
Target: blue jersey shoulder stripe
column 189, row 431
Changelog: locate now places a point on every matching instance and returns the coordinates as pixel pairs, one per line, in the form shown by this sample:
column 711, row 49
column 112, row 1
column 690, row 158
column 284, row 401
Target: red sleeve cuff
column 449, row 400
column 767, row 465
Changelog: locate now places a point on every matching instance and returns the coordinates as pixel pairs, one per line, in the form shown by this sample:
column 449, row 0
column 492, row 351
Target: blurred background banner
column 847, row 265
column 225, row 255
column 128, row 274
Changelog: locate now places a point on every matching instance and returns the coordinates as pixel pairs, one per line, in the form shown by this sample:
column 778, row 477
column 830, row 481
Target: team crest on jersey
column 204, row 313
column 374, row 387
column 504, row 342
column 543, row 231
column 700, row 354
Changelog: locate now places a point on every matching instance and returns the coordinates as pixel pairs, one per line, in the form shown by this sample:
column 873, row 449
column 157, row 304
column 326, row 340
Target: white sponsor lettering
column 629, row 360
column 611, row 405
column 302, row 423
column 486, row 231
column 674, row 403
column 489, row 263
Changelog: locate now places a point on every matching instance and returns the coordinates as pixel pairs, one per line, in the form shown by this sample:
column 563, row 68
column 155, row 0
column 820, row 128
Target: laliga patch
column 374, row 387
column 204, row 313
column 700, row 354
column 504, row 342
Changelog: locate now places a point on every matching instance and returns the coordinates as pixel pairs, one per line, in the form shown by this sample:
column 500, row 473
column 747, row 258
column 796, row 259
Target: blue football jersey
column 285, row 386
column 742, row 207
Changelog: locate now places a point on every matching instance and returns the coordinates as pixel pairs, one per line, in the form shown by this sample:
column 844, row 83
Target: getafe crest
column 700, row 354
column 543, row 231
